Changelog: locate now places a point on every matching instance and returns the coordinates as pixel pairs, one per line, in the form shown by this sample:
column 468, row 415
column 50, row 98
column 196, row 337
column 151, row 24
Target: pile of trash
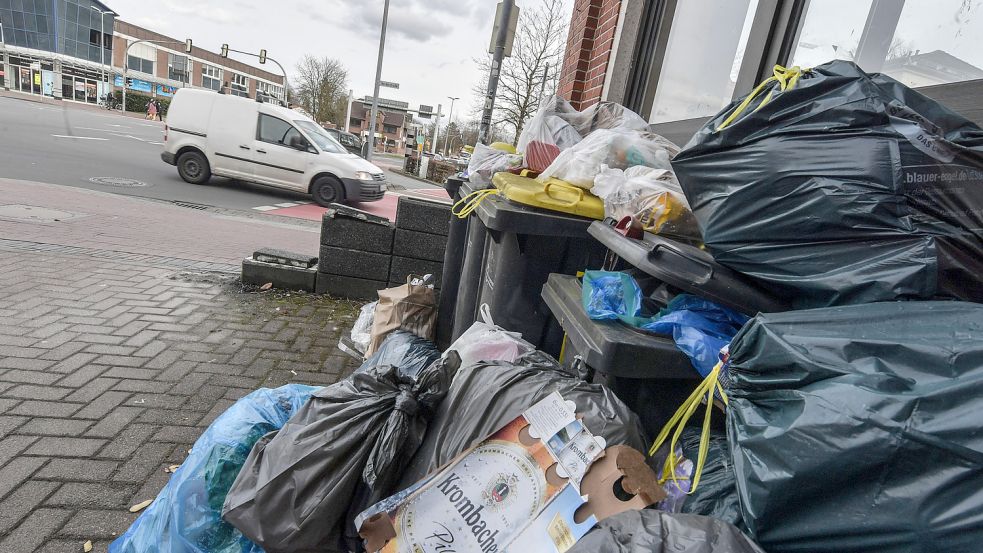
column 794, row 288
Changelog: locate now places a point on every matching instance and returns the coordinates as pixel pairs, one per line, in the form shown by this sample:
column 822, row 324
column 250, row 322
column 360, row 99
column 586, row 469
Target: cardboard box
column 514, row 491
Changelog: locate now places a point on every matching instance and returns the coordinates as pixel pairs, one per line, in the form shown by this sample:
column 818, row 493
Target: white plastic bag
column 485, row 341
column 614, row 148
column 557, row 127
column 486, row 161
column 362, row 329
column 651, row 196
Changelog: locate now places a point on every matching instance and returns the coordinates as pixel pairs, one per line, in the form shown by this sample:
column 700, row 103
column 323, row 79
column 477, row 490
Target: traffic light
column 187, row 46
column 225, row 51
column 262, row 56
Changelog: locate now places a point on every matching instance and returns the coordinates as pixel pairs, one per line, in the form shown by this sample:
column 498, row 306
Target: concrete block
column 419, row 245
column 405, row 266
column 283, row 277
column 354, row 263
column 345, row 227
column 283, row 257
column 423, row 215
column 348, row 287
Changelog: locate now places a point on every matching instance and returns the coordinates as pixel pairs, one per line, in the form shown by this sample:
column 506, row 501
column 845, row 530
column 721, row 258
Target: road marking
column 288, row 204
column 265, row 207
column 78, row 137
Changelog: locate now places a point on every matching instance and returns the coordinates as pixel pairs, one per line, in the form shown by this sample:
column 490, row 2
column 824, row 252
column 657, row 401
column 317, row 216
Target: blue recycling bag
column 612, row 295
column 186, row 517
column 699, row 327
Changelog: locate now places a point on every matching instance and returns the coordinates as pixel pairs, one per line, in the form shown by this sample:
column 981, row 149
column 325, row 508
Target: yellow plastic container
column 554, row 195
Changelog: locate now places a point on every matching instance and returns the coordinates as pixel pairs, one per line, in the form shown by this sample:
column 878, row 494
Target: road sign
column 388, row 84
column 513, row 23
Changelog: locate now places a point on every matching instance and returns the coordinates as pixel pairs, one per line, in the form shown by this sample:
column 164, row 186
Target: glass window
column 321, row 138
column 275, row 131
column 177, row 67
column 918, row 42
column 211, row 77
column 138, row 64
column 18, row 20
column 42, row 24
column 703, row 57
column 239, row 85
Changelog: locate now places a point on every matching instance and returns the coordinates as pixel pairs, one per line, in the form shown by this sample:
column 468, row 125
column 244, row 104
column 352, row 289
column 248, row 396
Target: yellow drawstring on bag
column 706, row 390
column 786, row 79
column 466, row 205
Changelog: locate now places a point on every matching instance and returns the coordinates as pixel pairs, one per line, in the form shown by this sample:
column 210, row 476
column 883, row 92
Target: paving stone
column 353, row 263
column 92, row 524
column 54, row 427
column 354, row 229
column 348, row 287
column 66, row 447
column 22, row 501
column 420, row 245
column 403, row 267
column 34, row 530
column 30, row 391
column 46, row 409
column 97, row 408
column 85, row 470
column 13, row 445
column 91, row 495
column 423, row 215
column 18, row 470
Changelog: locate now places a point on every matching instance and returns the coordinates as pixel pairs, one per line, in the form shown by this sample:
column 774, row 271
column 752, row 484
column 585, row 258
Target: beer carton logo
column 498, row 493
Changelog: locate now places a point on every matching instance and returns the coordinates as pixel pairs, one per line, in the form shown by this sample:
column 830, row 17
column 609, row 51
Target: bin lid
column 690, row 269
column 612, row 347
column 499, row 214
column 554, row 195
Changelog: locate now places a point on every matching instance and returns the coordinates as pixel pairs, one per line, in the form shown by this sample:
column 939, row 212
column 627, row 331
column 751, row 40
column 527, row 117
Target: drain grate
column 117, row 182
column 190, row 205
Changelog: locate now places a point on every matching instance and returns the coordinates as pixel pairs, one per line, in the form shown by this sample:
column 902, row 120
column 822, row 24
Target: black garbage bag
column 404, row 350
column 301, row 488
column 651, row 531
column 716, row 496
column 846, row 188
column 486, row 396
column 857, row 429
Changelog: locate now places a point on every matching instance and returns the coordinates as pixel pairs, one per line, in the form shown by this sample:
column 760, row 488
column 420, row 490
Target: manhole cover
column 117, row 181
column 35, row 214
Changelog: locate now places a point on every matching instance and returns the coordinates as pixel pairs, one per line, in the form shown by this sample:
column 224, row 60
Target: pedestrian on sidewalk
column 152, row 109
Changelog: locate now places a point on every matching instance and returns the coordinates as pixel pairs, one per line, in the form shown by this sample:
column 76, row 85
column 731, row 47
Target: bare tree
column 532, row 70
column 320, row 87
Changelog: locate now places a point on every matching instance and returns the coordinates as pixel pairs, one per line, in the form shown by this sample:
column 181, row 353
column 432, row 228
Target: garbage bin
column 453, row 264
column 647, row 371
column 511, row 249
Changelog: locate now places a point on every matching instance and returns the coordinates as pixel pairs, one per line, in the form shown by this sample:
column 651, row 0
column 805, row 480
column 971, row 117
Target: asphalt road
column 70, row 145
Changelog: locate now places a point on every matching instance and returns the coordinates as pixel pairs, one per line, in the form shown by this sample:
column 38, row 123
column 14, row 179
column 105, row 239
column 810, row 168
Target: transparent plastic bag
column 486, row 161
column 486, row 341
column 651, row 196
column 557, row 127
column 614, row 148
column 362, row 329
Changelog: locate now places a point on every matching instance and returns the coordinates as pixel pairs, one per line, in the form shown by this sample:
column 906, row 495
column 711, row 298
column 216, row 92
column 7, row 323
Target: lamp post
column 450, row 119
column 102, row 45
column 378, row 79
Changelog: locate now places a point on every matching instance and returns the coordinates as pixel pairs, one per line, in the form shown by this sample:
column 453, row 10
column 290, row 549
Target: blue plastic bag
column 186, row 517
column 611, row 295
column 699, row 327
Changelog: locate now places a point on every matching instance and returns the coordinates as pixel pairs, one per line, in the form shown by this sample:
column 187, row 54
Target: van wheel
column 193, row 167
column 327, row 191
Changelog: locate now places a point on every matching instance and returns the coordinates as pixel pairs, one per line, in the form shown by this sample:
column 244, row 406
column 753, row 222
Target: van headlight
column 363, row 175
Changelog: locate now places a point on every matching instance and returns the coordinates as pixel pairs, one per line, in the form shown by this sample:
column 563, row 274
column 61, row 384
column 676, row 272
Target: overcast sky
column 430, row 44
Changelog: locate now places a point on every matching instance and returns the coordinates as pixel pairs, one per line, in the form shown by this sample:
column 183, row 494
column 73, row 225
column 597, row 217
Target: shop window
column 703, row 58
column 918, row 42
column 140, row 64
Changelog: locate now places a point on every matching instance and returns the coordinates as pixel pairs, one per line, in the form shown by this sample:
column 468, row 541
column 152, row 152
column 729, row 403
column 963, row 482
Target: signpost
column 388, row 84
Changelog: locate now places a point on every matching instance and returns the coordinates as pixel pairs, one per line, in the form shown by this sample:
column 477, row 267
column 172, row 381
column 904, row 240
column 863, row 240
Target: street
column 79, row 146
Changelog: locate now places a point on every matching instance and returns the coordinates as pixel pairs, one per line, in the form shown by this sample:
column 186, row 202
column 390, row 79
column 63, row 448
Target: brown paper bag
column 409, row 307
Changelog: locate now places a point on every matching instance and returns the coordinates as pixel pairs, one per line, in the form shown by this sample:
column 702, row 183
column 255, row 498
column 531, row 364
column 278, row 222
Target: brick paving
column 112, row 365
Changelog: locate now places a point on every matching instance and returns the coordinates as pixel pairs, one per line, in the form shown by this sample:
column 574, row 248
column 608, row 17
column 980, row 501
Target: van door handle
column 261, row 151
column 243, row 146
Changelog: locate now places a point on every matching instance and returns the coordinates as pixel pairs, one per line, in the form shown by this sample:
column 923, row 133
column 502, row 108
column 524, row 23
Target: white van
column 213, row 134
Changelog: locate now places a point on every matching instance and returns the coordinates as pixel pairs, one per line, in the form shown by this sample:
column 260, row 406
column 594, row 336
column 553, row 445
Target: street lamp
column 450, row 119
column 102, row 46
column 378, row 80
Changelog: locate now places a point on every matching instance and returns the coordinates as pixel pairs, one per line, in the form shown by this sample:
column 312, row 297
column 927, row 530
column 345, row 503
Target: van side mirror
column 298, row 143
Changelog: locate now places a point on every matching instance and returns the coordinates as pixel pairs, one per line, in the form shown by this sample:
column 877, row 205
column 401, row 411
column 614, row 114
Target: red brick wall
column 589, row 45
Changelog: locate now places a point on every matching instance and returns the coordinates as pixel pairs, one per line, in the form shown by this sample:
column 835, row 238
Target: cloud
column 215, row 14
column 409, row 22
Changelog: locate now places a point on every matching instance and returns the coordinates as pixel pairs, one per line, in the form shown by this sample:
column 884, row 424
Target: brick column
column 589, row 43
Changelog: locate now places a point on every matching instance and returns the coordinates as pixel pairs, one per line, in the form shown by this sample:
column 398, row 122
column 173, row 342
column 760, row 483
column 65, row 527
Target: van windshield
column 321, row 138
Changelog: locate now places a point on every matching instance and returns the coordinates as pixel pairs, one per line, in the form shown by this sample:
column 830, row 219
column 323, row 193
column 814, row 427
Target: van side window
column 275, row 131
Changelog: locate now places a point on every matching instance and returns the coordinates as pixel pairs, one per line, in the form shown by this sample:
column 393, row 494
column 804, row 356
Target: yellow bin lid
column 554, row 195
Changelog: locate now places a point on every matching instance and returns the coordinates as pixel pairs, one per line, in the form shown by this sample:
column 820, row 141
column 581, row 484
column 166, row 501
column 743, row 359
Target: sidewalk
column 116, row 351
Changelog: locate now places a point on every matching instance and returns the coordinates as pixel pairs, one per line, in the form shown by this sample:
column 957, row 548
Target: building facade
column 678, row 62
column 76, row 50
column 394, row 121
